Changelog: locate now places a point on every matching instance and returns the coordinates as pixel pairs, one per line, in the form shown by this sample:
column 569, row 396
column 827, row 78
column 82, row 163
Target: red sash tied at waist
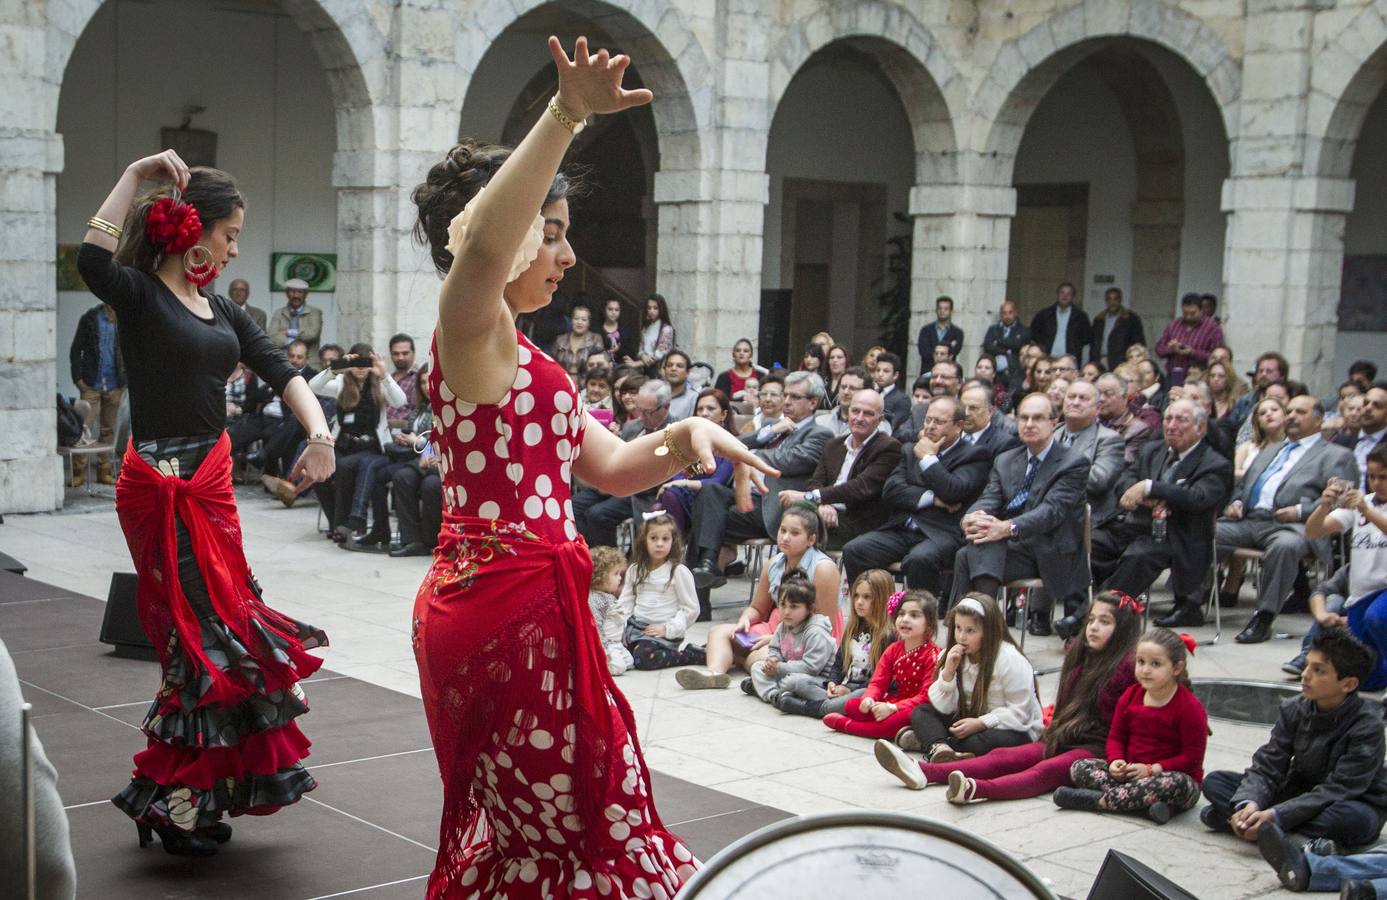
column 149, row 504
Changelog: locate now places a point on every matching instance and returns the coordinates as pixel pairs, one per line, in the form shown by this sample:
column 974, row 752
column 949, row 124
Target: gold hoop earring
column 199, row 266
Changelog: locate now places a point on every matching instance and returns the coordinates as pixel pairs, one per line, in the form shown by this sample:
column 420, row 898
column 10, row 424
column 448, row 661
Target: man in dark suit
column 264, row 419
column 937, row 476
column 1003, row 342
column 984, row 426
column 886, row 376
column 1062, row 328
column 1188, row 481
column 1114, row 330
column 941, row 331
column 1278, row 492
column 846, row 484
column 1029, row 519
column 795, row 453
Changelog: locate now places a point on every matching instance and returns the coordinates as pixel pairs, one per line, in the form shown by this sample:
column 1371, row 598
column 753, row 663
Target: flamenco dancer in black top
column 221, row 733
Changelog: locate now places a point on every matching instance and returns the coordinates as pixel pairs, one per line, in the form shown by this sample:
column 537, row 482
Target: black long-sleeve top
column 177, row 362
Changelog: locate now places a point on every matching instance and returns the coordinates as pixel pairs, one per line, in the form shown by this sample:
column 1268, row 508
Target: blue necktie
column 1276, row 464
column 1024, row 494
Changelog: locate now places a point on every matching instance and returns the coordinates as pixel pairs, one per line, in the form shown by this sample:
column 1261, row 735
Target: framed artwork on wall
column 318, row 269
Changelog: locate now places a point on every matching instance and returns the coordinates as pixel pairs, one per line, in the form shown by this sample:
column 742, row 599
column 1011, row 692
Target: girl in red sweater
column 1156, row 744
column 910, row 662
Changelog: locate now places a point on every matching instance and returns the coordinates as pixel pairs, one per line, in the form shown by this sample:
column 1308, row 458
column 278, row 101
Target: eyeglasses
column 796, row 396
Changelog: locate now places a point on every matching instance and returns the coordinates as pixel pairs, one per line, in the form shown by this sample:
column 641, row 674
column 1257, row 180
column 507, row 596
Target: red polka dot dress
column 545, row 790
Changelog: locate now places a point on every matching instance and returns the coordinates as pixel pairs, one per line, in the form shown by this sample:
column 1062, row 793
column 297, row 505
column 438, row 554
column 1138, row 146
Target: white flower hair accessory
column 529, row 246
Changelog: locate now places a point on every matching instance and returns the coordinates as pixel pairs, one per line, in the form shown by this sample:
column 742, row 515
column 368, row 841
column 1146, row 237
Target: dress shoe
column 1257, row 630
column 707, row 576
column 1284, row 855
column 735, row 568
column 415, row 549
column 1039, row 626
column 368, row 543
column 1068, row 627
column 1184, row 615
column 1357, row 889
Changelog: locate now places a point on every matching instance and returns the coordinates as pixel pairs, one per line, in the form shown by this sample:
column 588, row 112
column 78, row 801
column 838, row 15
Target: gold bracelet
column 97, row 224
column 325, row 440
column 691, row 467
column 563, row 118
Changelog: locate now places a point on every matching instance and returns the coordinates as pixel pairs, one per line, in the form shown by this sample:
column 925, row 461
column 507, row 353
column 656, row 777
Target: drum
column 880, row 855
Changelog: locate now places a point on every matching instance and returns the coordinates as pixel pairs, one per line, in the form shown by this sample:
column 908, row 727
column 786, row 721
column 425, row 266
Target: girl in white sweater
column 984, row 696
column 659, row 600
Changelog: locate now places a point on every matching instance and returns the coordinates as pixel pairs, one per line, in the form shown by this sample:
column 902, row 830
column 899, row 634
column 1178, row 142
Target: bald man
column 239, row 291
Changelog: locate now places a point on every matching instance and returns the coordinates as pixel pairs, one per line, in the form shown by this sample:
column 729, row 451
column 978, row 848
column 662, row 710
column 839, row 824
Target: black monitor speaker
column 121, row 625
column 1124, row 878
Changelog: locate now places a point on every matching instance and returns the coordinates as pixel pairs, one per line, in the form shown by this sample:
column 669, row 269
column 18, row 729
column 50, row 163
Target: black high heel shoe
column 178, row 843
column 217, row 831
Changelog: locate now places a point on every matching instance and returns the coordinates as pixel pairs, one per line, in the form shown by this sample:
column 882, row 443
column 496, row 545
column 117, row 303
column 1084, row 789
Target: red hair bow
column 1126, row 601
column 893, row 602
column 1189, row 642
column 172, row 225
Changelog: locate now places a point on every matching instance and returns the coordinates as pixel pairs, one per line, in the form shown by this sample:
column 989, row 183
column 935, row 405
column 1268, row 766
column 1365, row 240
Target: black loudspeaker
column 121, row 625
column 10, row 564
column 1124, row 878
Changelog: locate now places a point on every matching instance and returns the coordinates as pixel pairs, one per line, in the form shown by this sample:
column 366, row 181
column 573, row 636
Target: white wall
column 1366, row 231
column 836, row 123
column 133, row 71
column 1078, row 135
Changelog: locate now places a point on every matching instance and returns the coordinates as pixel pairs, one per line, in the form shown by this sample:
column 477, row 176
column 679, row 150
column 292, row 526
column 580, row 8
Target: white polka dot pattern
column 513, row 460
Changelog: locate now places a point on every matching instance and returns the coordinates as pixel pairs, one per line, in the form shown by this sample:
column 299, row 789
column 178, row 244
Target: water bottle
column 1158, row 523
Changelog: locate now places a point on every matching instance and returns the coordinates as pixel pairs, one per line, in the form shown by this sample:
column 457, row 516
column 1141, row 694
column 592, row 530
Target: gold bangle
column 691, row 467
column 563, row 118
column 98, row 224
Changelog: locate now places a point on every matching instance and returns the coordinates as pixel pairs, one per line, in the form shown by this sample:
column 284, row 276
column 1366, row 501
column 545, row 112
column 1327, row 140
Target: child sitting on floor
column 608, row 566
column 984, row 696
column 867, row 634
column 902, row 676
column 658, row 600
column 801, row 645
column 1155, row 757
column 1321, row 772
column 1097, row 671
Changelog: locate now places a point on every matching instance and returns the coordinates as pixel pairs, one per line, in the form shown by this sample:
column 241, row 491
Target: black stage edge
column 372, row 822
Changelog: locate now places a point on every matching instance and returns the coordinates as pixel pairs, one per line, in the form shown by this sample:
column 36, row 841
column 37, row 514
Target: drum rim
column 741, row 847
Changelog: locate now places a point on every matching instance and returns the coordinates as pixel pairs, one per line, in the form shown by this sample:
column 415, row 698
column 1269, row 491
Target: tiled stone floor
column 728, row 763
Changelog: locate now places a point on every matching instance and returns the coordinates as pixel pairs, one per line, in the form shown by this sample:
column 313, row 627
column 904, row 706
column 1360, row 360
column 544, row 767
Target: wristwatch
column 812, row 496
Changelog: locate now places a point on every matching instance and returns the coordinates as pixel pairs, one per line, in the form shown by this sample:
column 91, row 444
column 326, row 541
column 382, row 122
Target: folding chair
column 1024, row 586
column 755, row 560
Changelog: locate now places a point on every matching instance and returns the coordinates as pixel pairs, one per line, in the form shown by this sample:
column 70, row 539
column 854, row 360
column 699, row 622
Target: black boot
column 706, row 574
column 1184, row 615
column 1077, row 798
column 795, row 706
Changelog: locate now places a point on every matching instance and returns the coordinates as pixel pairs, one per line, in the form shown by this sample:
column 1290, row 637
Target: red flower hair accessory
column 1125, row 601
column 893, row 602
column 1189, row 642
column 172, row 226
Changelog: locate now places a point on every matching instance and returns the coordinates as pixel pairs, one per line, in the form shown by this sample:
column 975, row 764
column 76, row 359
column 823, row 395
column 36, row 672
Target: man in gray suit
column 1101, row 446
column 1029, row 519
column 1277, row 494
column 598, row 515
column 793, row 449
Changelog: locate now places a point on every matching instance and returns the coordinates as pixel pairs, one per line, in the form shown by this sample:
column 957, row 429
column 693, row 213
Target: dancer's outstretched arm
column 476, row 334
column 621, row 468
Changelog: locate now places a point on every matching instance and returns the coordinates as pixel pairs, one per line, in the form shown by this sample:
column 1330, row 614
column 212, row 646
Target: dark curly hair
column 1350, row 657
column 451, row 185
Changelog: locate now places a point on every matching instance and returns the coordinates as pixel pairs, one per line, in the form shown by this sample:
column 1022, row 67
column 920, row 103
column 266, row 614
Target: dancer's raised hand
column 166, row 166
column 591, row 83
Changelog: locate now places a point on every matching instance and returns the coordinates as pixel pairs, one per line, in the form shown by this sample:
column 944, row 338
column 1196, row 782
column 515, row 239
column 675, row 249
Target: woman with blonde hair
column 1225, row 386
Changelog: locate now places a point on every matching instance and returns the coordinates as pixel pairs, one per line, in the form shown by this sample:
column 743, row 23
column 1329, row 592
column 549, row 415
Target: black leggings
column 932, row 727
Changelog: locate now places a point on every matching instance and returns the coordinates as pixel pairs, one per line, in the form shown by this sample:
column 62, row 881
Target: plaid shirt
column 1201, row 339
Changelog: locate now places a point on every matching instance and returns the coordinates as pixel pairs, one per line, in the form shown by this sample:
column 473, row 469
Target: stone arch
column 1349, row 72
column 1026, row 68
column 666, row 53
column 350, row 46
column 921, row 75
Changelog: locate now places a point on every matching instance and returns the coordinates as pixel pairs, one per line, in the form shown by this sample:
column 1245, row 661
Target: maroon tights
column 1011, row 773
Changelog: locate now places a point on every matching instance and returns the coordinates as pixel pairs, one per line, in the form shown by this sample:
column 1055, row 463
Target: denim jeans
column 1333, row 603
column 1327, row 873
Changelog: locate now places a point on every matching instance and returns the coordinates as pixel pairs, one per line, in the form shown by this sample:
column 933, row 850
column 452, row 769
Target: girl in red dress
column 545, row 790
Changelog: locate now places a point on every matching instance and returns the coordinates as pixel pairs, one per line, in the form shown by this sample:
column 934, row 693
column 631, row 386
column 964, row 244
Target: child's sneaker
column 907, row 741
column 748, row 687
column 894, row 760
column 943, row 753
column 962, row 789
column 701, row 679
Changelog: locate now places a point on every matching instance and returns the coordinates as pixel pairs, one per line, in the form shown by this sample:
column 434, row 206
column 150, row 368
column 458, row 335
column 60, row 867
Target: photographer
column 363, row 390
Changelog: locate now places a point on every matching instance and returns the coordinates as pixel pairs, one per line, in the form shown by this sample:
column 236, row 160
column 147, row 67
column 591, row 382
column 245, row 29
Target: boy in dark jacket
column 1321, row 773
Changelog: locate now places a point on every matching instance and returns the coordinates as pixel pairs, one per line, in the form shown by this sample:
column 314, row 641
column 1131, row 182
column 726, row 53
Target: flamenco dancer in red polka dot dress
column 545, row 790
